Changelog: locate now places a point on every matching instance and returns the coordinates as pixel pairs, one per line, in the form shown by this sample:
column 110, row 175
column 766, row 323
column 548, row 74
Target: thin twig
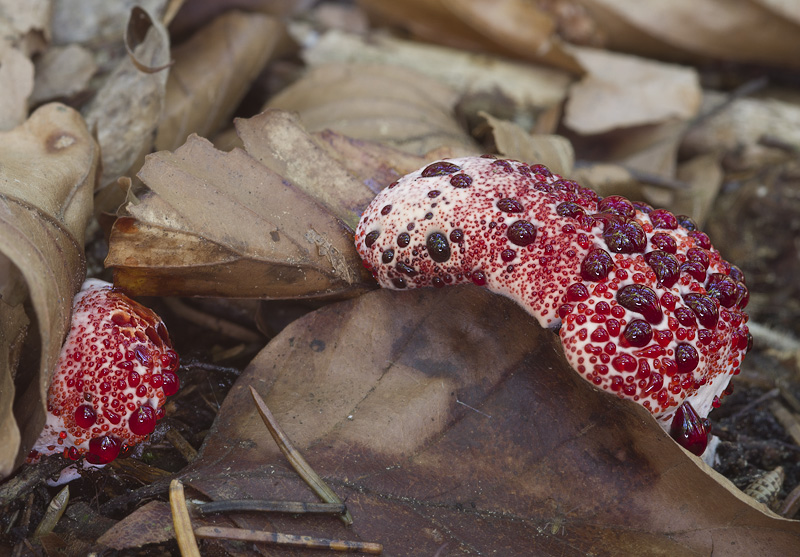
column 255, row 505
column 290, row 540
column 213, row 323
column 296, row 459
column 181, row 520
column 754, row 403
column 181, row 444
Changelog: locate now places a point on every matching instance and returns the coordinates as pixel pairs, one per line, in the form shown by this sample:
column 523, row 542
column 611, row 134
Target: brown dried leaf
column 127, row 108
column 277, row 140
column 553, row 151
column 222, row 224
column 47, row 175
column 759, row 31
column 392, row 105
column 508, row 27
column 211, row 73
column 151, row 523
column 450, row 417
column 518, row 88
column 622, row 91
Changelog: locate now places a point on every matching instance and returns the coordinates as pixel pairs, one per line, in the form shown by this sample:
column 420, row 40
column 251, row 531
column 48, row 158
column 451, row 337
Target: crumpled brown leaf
column 211, row 73
column 47, row 176
column 450, row 417
column 224, row 224
column 623, row 91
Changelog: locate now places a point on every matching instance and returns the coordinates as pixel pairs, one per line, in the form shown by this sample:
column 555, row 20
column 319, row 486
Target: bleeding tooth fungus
column 648, row 309
column 112, row 378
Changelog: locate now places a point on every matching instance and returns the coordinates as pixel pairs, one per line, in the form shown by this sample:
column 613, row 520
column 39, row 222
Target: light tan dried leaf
column 13, row 329
column 553, row 151
column 277, row 140
column 392, row 105
column 47, row 175
column 62, row 72
column 751, row 31
column 524, row 88
column 223, row 224
column 16, row 81
column 127, row 108
column 622, row 91
column 151, row 523
column 212, row 72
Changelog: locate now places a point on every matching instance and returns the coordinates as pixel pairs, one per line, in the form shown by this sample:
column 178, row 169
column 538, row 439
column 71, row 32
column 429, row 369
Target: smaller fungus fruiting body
column 113, row 375
column 648, row 308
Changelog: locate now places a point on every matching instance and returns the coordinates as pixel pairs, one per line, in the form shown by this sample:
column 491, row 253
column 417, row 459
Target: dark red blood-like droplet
column 570, row 209
column 597, row 264
column 617, row 205
column 665, row 266
column 723, row 288
column 399, row 282
column 704, row 307
column 510, row 206
column 461, row 181
column 701, row 239
column 695, row 270
column 689, row 430
column 661, row 218
column 625, row 237
column 624, row 362
column 370, row 238
column 387, row 256
column 737, row 274
column 479, row 277
column 405, row 269
column 103, row 450
column 685, row 317
column 403, row 239
column 638, row 333
column 85, row 416
column 170, row 360
column 743, row 295
column 698, row 255
column 170, row 383
column 439, row 169
column 664, row 242
column 686, row 358
column 143, row 420
column 508, row 255
column 521, row 233
column 438, row 247
column 457, row 236
column 577, row 292
column 687, row 222
column 641, row 299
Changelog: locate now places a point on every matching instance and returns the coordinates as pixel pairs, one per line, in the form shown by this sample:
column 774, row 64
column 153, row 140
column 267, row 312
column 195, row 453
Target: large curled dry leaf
column 224, row 224
column 521, row 90
column 450, row 421
column 211, row 73
column 393, row 105
column 47, row 176
column 761, row 31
